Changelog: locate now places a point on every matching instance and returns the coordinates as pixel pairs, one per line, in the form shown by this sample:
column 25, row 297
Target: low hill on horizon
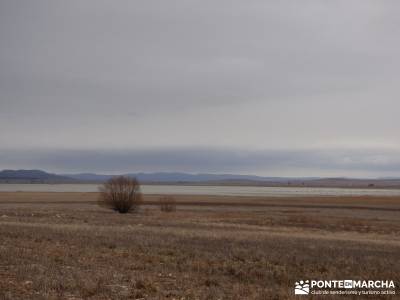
column 33, row 176
column 39, row 176
column 179, row 177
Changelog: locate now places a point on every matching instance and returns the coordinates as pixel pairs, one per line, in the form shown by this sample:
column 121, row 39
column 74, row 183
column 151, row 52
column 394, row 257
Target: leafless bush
column 121, row 194
column 167, row 204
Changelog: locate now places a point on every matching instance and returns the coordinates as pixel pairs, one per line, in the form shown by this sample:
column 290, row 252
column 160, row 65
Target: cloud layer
column 157, row 75
column 306, row 162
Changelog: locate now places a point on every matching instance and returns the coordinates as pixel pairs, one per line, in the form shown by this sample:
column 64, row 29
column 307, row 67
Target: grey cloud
column 201, row 74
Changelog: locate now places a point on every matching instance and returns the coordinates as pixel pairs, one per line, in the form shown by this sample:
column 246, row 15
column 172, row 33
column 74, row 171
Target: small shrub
column 167, row 204
column 121, row 194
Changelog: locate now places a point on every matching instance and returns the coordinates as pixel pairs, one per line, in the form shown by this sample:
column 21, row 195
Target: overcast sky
column 277, row 88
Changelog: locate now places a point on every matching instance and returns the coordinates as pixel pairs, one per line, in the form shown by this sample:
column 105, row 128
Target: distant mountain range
column 178, row 177
column 39, row 176
column 32, row 176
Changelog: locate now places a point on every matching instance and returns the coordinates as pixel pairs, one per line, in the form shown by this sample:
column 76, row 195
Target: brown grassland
column 64, row 246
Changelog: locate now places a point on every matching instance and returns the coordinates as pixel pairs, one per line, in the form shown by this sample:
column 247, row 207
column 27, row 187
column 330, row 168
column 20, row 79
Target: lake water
column 207, row 190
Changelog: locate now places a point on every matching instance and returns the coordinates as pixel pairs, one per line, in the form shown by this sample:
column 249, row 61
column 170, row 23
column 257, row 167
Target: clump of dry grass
column 167, row 204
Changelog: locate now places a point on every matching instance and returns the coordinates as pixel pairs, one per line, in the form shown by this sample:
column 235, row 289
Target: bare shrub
column 167, row 204
column 121, row 194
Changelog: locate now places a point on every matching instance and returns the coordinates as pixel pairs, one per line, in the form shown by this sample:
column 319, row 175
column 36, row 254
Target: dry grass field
column 63, row 246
